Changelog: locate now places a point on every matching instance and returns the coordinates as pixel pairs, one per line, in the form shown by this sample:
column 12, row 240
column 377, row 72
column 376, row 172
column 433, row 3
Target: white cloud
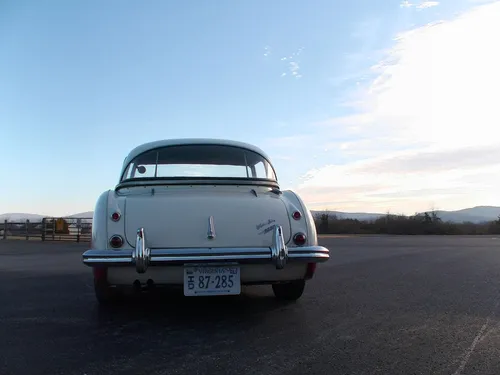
column 423, row 5
column 427, row 4
column 426, row 128
column 267, row 51
column 292, row 64
column 294, row 69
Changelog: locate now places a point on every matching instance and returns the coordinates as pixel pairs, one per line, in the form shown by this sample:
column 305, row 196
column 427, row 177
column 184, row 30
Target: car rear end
column 220, row 237
column 207, row 216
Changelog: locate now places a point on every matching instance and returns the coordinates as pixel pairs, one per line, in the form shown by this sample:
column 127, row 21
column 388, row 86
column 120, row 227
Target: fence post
column 27, row 224
column 78, row 226
column 5, row 229
column 44, row 228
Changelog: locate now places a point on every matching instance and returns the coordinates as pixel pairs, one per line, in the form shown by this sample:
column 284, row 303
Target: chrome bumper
column 143, row 257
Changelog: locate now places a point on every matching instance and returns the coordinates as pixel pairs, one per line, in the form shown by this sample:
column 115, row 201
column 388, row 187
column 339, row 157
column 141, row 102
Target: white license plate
column 211, row 281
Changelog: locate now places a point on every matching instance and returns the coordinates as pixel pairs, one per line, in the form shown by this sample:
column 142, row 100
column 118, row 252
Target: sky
column 361, row 105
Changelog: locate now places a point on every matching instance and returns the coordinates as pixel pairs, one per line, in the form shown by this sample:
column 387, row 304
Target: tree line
column 423, row 223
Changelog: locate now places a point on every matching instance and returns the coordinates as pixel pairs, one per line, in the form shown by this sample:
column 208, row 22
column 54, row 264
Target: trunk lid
column 179, row 217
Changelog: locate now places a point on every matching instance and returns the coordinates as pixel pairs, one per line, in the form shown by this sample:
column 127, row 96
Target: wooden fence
column 48, row 229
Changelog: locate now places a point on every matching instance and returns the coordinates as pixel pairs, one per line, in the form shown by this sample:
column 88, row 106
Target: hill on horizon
column 476, row 214
column 21, row 217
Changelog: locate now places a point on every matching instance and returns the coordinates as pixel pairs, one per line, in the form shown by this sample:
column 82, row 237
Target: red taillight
column 299, row 239
column 115, row 216
column 296, row 215
column 116, row 241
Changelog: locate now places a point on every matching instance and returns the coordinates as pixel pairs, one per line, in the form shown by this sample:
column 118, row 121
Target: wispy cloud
column 423, row 5
column 427, row 4
column 426, row 123
column 292, row 62
column 425, row 161
column 267, row 51
column 294, row 69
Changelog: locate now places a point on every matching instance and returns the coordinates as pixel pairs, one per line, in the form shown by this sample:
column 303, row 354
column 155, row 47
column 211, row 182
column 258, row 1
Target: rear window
column 199, row 161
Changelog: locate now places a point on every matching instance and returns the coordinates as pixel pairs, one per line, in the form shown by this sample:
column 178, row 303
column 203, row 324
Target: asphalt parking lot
column 381, row 305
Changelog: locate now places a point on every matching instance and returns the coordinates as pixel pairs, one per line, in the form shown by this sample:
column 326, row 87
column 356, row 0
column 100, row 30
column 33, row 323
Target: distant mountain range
column 19, row 217
column 475, row 214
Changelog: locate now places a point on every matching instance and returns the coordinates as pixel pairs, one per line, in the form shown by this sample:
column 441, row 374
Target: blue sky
column 84, row 82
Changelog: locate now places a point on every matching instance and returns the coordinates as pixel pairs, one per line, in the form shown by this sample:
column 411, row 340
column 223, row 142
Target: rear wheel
column 289, row 291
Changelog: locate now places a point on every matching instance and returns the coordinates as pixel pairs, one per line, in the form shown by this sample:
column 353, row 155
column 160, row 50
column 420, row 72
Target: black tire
column 290, row 291
column 106, row 295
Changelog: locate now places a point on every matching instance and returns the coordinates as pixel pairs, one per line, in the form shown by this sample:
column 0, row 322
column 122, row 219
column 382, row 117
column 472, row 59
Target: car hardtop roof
column 189, row 141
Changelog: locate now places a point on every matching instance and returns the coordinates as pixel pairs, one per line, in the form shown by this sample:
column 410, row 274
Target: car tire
column 106, row 295
column 289, row 291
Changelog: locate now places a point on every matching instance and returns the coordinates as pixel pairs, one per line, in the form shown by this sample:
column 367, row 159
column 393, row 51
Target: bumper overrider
column 142, row 257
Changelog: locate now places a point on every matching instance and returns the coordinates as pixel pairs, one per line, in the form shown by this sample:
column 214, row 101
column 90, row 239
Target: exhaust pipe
column 150, row 284
column 137, row 286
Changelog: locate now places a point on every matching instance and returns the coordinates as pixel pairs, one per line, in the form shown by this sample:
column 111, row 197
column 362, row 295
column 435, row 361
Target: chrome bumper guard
column 143, row 257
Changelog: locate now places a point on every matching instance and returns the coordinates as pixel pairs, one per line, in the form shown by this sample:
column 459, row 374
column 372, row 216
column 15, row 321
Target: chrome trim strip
column 273, row 184
column 208, row 251
column 142, row 257
column 96, row 261
column 179, row 256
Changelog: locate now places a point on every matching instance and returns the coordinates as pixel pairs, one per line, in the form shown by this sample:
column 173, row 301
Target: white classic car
column 207, row 215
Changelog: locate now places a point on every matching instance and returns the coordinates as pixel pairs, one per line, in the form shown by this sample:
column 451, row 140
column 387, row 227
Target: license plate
column 211, row 281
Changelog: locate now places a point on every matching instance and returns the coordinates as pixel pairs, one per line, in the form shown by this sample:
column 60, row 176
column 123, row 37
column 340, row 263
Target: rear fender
column 306, row 223
column 99, row 223
column 103, row 227
column 116, row 203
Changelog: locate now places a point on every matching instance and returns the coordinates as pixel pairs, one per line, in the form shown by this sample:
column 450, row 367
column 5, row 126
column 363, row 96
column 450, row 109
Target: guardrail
column 48, row 229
